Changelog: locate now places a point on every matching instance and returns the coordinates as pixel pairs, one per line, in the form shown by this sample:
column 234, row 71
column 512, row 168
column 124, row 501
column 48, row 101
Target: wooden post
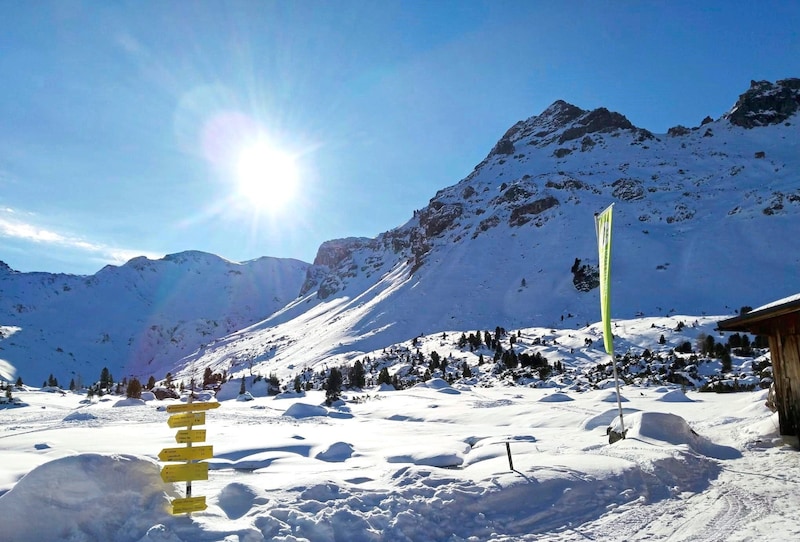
column 508, row 451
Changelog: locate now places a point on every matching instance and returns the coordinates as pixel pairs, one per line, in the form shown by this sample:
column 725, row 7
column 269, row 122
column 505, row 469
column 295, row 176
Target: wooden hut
column 780, row 321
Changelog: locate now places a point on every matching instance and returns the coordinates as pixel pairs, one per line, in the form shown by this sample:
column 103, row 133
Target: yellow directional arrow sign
column 185, row 473
column 190, row 435
column 186, row 454
column 191, row 407
column 184, row 420
column 189, row 504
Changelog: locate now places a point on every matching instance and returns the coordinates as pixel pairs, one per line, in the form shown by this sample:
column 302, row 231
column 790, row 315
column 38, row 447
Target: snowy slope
column 136, row 319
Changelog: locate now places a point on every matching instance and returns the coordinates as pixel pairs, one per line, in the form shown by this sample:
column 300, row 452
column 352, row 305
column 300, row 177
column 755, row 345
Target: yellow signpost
column 192, row 407
column 189, row 504
column 188, row 419
column 185, row 472
column 190, row 435
column 186, row 454
column 187, row 415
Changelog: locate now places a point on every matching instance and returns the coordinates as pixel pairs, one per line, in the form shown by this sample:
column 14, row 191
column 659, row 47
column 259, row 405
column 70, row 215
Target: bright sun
column 266, row 177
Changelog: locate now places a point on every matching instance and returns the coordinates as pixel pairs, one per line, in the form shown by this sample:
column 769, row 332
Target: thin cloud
column 15, row 228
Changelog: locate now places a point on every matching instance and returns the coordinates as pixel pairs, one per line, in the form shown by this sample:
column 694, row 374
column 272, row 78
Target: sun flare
column 266, row 177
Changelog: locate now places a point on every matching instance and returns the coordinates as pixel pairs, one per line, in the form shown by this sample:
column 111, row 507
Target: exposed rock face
column 585, row 277
column 599, row 120
column 332, row 253
column 562, row 113
column 678, row 131
column 522, row 214
column 504, row 146
column 628, row 189
column 766, row 103
column 438, row 216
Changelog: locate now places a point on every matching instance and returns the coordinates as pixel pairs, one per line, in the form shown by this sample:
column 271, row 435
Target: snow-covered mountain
column 704, row 222
column 701, row 222
column 136, row 319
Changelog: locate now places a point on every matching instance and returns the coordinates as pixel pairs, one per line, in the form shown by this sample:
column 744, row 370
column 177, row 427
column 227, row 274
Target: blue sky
column 119, row 120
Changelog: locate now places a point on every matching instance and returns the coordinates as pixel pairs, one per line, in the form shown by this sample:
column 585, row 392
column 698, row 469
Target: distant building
column 780, row 321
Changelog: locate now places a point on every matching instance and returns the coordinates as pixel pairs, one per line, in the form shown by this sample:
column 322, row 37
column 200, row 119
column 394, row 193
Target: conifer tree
column 356, row 376
column 333, row 386
column 383, row 376
column 105, row 378
column 134, row 389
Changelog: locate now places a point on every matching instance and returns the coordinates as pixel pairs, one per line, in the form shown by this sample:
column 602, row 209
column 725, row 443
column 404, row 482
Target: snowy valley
column 475, row 328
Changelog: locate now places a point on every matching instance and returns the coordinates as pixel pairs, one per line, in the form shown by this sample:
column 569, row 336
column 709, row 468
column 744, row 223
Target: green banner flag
column 602, row 224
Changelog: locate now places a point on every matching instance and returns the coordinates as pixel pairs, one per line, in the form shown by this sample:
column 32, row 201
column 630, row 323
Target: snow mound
column 246, row 396
column 79, row 417
column 87, row 497
column 129, row 402
column 662, row 427
column 440, row 455
column 611, row 397
column 236, row 499
column 336, row 452
column 439, row 385
column 675, row 396
column 303, row 410
column 148, row 396
column 556, row 398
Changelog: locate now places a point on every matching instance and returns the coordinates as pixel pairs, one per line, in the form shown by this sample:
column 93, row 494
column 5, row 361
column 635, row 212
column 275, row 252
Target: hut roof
column 758, row 315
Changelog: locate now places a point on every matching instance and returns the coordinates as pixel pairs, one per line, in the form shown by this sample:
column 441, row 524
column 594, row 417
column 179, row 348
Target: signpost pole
column 189, row 444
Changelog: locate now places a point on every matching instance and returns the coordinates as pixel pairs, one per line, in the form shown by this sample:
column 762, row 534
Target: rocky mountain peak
column 766, row 103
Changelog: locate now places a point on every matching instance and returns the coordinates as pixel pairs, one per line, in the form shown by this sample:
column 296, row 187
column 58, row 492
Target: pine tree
column 105, row 378
column 333, row 387
column 134, row 389
column 357, row 377
column 727, row 363
column 383, row 376
column 19, row 382
column 151, row 383
column 242, row 387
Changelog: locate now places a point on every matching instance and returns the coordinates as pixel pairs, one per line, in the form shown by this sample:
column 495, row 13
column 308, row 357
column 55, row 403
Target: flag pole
column 602, row 225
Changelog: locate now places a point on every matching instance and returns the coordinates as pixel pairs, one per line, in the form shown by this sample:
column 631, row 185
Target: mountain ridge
column 139, row 317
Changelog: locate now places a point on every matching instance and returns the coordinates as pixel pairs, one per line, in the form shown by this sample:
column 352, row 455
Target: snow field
column 426, row 463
